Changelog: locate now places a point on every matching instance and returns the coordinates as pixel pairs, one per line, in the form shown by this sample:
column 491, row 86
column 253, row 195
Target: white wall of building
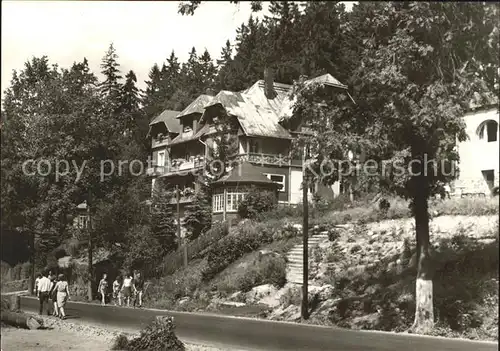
column 478, row 155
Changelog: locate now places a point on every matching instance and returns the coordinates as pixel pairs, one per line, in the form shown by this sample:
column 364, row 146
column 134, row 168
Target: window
column 187, row 126
column 233, row 199
column 278, row 179
column 161, row 159
column 490, row 128
column 218, row 203
column 254, row 146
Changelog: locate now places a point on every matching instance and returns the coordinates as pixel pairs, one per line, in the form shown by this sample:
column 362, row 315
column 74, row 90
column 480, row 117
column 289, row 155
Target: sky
column 143, row 33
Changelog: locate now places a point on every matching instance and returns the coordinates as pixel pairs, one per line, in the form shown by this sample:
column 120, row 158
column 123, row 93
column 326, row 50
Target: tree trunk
column 424, row 311
column 91, row 248
column 31, row 284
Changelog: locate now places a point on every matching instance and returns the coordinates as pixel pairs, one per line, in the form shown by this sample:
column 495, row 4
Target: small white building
column 478, row 167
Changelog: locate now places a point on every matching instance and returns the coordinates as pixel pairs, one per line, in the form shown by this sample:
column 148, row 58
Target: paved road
column 253, row 334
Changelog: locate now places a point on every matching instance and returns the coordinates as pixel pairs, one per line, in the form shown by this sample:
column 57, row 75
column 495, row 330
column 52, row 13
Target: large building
column 182, row 142
column 478, row 167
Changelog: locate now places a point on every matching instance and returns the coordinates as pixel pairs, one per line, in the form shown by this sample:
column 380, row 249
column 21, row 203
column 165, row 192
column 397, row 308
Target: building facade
column 479, row 165
column 183, row 142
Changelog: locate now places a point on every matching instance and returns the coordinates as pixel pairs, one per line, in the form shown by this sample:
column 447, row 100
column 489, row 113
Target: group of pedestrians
column 125, row 289
column 52, row 290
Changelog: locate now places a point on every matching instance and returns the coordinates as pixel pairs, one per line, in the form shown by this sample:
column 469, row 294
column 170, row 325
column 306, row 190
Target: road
column 254, row 334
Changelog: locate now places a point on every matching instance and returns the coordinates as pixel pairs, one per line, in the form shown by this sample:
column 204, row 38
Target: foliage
column 268, row 270
column 110, row 87
column 163, row 226
column 247, row 238
column 143, row 249
column 159, row 335
column 198, row 215
column 256, row 201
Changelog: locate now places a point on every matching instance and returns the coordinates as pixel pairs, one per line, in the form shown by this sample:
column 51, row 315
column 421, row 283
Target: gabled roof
column 257, row 115
column 168, row 117
column 245, row 173
column 197, row 106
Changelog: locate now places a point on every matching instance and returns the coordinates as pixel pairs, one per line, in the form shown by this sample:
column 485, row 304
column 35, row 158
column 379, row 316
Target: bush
column 269, row 270
column 247, row 238
column 157, row 336
column 120, row 343
column 257, row 201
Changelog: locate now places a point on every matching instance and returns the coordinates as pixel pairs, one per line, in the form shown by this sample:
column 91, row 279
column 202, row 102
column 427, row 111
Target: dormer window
column 187, row 128
column 254, row 146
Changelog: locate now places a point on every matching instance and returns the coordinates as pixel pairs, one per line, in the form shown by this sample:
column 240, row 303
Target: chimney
column 269, row 83
column 210, row 91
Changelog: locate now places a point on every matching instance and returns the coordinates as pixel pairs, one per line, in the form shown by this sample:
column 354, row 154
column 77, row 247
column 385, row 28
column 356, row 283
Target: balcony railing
column 156, row 142
column 268, row 159
column 177, row 165
column 186, row 165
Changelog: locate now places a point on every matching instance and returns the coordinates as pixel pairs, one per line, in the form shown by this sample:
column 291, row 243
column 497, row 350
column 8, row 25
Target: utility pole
column 90, row 258
column 32, row 273
column 305, row 241
column 350, row 156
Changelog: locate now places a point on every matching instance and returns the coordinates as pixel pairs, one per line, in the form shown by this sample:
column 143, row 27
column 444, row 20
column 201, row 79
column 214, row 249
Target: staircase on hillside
column 295, row 269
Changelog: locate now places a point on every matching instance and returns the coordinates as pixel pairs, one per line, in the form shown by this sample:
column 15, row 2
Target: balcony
column 268, row 159
column 159, row 141
column 179, row 165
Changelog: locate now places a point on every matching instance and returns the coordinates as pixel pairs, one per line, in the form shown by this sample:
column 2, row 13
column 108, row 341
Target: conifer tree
column 110, row 87
column 163, row 226
column 151, row 95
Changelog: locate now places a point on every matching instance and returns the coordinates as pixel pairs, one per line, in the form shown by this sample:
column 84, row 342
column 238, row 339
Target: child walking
column 117, row 298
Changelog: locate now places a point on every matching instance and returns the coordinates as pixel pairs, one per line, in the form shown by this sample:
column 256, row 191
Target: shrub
column 247, row 238
column 269, row 270
column 120, row 343
column 384, row 205
column 257, row 201
column 157, row 336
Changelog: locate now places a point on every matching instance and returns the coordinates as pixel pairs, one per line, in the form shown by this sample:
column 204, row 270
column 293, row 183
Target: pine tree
column 134, row 122
column 151, row 95
column 223, row 67
column 163, row 226
column 207, row 71
column 110, row 87
column 198, row 217
column 170, row 76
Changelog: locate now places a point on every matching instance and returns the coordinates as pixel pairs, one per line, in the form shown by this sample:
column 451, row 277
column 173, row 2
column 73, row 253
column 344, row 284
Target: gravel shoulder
column 70, row 335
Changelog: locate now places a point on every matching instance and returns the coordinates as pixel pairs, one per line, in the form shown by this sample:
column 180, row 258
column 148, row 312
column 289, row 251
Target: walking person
column 62, row 289
column 103, row 288
column 44, row 285
column 128, row 281
column 53, row 296
column 117, row 298
column 138, row 288
column 38, row 277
